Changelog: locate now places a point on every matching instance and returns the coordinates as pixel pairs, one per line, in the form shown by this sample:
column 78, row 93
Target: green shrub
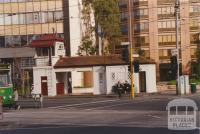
column 172, row 82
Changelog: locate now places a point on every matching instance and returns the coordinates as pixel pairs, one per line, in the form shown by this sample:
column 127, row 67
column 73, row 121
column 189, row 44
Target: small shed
column 100, row 73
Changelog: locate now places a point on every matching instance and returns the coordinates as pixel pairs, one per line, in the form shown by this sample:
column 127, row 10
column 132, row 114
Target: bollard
column 1, row 108
column 41, row 101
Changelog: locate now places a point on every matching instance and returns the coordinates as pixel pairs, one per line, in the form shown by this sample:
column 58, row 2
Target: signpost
column 174, row 52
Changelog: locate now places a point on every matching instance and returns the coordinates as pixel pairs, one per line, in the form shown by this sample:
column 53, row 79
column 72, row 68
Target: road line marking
column 96, row 108
column 154, row 116
column 80, row 104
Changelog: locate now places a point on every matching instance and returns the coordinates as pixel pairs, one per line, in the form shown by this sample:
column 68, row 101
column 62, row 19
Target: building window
column 13, row 41
column 194, row 24
column 167, row 39
column 193, row 52
column 166, row 25
column 194, row 9
column 122, row 4
column 165, row 53
column 124, row 29
column 142, row 26
column 24, row 39
column 124, row 16
column 2, row 41
column 194, row 38
column 139, row 13
column 8, row 19
column 166, row 10
column 141, row 41
column 22, row 18
column 15, row 18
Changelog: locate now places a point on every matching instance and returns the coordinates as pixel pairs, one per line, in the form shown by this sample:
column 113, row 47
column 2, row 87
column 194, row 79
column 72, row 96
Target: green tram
column 6, row 86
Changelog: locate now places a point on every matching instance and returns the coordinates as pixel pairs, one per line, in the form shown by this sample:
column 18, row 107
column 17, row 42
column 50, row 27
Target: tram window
column 190, row 110
column 173, row 111
column 181, row 110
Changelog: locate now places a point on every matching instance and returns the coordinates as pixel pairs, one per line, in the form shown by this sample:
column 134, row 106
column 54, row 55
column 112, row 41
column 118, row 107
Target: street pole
column 131, row 49
column 177, row 9
column 100, row 40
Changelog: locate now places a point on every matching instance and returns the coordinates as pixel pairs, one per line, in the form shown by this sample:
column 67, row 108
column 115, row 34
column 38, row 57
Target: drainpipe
column 50, row 56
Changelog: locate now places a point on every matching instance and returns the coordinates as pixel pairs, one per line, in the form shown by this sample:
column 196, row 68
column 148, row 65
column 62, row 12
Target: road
column 90, row 115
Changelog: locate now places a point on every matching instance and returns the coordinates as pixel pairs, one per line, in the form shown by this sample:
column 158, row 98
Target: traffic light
column 129, row 68
column 174, row 66
column 125, row 54
column 136, row 66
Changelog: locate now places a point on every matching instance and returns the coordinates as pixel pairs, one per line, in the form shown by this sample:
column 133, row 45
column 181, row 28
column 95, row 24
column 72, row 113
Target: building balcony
column 140, row 3
column 166, row 30
column 27, row 63
column 161, row 2
column 193, row 28
column 195, row 14
column 164, row 57
column 42, row 61
column 167, row 43
column 141, row 17
column 122, row 6
column 166, row 16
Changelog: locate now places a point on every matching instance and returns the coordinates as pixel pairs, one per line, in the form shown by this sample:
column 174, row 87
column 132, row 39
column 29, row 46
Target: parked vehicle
column 6, row 86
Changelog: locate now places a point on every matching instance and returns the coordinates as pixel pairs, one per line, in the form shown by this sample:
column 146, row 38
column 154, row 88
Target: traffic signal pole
column 177, row 9
column 131, row 49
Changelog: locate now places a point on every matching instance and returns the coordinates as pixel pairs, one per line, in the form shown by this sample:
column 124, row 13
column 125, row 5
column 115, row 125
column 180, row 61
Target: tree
column 107, row 16
column 87, row 46
column 197, row 68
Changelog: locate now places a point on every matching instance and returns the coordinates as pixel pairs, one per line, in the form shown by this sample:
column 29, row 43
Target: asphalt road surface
column 89, row 115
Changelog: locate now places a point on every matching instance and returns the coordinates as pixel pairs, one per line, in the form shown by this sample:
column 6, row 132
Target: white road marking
column 71, row 106
column 153, row 116
column 114, row 105
column 81, row 104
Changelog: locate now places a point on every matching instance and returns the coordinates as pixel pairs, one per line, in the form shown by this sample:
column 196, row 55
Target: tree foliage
column 87, row 46
column 197, row 67
column 107, row 17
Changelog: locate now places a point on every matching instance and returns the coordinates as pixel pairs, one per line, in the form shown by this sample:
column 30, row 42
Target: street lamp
column 131, row 49
column 177, row 10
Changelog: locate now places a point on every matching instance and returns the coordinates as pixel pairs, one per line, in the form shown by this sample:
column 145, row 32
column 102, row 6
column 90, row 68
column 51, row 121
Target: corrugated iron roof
column 88, row 61
column 47, row 40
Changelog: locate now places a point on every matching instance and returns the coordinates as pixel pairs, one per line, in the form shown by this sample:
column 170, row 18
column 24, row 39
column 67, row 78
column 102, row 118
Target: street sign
column 125, row 43
column 135, row 55
column 174, row 52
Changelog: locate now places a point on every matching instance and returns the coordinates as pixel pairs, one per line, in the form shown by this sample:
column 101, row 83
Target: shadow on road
column 94, row 130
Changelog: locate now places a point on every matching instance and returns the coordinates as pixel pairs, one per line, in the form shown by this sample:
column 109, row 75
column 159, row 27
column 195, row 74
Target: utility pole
column 177, row 11
column 100, row 40
column 131, row 48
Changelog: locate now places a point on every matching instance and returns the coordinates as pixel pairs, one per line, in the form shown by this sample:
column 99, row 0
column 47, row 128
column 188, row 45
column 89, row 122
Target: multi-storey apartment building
column 22, row 21
column 154, row 31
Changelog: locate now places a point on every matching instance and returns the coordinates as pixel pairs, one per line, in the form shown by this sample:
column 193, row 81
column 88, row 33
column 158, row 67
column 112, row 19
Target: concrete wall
column 115, row 74
column 75, row 25
column 51, row 80
column 150, row 70
column 99, row 80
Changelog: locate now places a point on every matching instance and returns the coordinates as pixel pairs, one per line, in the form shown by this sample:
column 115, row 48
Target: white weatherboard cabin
column 97, row 74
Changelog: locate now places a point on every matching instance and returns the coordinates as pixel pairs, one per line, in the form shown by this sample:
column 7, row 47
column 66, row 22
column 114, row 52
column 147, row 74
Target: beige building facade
column 154, row 31
column 21, row 21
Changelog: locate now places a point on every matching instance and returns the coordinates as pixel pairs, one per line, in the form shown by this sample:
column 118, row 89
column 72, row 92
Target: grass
column 173, row 82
